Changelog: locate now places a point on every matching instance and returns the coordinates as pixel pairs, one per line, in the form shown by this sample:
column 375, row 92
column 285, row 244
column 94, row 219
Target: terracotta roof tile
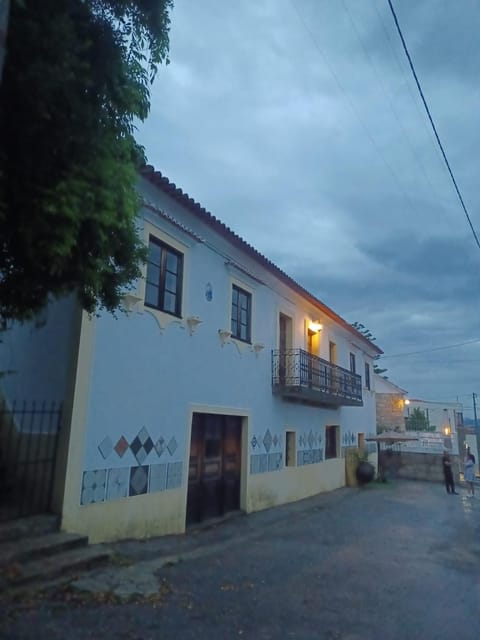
column 162, row 182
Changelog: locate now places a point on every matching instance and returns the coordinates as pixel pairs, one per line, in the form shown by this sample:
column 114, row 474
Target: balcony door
column 313, row 363
column 285, row 343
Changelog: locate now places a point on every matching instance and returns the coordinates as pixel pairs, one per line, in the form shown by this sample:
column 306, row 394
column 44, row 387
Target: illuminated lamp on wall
column 315, row 326
column 407, row 402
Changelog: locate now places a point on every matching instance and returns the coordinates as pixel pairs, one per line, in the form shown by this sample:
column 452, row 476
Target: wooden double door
column 215, row 466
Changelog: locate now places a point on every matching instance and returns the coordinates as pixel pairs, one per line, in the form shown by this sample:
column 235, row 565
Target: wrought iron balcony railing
column 303, row 376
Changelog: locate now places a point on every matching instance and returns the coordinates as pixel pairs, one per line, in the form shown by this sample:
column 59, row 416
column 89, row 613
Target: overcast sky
column 299, row 125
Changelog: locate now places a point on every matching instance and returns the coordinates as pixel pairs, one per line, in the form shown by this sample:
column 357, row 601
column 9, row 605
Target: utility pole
column 474, row 395
column 4, row 10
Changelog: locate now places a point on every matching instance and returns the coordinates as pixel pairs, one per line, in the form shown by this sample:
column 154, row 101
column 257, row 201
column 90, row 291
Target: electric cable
column 432, row 123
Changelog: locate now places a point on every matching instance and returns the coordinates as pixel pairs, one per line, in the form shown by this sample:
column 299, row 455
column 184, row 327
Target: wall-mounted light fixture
column 407, row 401
column 225, row 336
column 447, row 431
column 193, row 322
column 315, row 326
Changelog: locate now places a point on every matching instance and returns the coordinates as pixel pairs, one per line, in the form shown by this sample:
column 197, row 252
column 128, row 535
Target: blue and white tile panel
column 309, row 449
column 142, row 449
column 104, row 485
column 266, row 452
column 309, row 456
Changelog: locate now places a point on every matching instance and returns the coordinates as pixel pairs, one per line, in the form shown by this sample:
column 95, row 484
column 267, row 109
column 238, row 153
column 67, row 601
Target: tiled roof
column 171, row 189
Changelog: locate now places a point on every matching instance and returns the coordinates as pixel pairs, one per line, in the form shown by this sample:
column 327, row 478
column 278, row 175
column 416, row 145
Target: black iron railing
column 296, row 372
column 28, row 448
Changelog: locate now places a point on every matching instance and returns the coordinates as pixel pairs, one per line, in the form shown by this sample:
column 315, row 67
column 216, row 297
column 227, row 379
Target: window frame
column 249, row 297
column 335, row 429
column 165, row 250
column 368, row 384
column 353, row 363
column 290, row 448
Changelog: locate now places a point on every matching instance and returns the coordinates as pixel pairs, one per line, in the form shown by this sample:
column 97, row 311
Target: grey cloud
column 306, row 136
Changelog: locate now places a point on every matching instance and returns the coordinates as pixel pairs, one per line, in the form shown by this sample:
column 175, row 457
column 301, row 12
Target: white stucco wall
column 146, row 374
column 38, row 354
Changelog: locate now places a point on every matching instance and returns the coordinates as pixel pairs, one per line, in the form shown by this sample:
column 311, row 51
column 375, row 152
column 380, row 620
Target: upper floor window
column 164, row 277
column 332, row 352
column 241, row 314
column 367, row 375
column 353, row 364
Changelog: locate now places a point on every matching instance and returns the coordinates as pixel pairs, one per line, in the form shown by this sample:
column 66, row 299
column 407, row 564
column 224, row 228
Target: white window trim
column 240, row 344
column 164, row 319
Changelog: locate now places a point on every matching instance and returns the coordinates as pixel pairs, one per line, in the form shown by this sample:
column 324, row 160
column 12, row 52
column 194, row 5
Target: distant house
column 226, row 386
column 390, row 405
column 439, row 417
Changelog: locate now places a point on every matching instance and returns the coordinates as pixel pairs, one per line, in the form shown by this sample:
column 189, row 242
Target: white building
column 226, row 386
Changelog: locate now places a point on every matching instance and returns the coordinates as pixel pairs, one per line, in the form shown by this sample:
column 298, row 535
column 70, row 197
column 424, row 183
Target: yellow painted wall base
column 144, row 516
column 290, row 484
column 163, row 513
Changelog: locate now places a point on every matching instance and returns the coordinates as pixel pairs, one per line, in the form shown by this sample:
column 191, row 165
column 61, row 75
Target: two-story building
column 225, row 386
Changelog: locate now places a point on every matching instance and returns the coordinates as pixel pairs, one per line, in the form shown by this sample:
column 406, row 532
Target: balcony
column 299, row 375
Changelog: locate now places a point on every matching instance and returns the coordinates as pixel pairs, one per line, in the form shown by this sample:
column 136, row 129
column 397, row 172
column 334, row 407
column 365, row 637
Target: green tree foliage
column 361, row 328
column 418, row 421
column 77, row 74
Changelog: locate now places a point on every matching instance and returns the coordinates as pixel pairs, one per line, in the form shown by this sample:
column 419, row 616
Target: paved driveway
column 396, row 562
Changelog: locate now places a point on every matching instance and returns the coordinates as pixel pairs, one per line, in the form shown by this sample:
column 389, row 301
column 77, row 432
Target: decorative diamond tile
column 93, row 486
column 254, row 442
column 141, row 446
column 310, row 439
column 263, row 463
column 143, row 434
column 138, row 480
column 105, row 447
column 267, row 440
column 174, row 475
column 158, row 478
column 254, row 464
column 160, row 446
column 274, row 461
column 172, row 446
column 258, row 463
column 121, row 447
column 118, row 483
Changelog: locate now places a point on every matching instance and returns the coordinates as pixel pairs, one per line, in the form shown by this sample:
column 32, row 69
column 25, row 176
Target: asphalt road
column 398, row 561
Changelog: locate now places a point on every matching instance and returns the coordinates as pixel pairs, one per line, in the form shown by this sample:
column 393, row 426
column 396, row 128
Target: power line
column 414, row 353
column 432, row 123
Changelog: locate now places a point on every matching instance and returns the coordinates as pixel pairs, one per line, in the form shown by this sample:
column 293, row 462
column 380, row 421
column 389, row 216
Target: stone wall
column 417, row 466
column 390, row 412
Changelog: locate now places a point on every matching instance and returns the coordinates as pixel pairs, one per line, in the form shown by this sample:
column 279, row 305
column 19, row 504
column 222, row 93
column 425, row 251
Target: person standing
column 469, row 474
column 448, row 473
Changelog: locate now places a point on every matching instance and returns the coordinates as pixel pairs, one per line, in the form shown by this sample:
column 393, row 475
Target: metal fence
column 298, row 368
column 427, row 442
column 28, row 448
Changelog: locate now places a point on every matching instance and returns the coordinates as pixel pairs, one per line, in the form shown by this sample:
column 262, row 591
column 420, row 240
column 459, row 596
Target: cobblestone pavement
column 397, row 561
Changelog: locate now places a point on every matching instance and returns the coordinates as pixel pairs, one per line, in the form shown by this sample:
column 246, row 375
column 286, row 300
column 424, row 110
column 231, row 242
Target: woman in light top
column 469, row 474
